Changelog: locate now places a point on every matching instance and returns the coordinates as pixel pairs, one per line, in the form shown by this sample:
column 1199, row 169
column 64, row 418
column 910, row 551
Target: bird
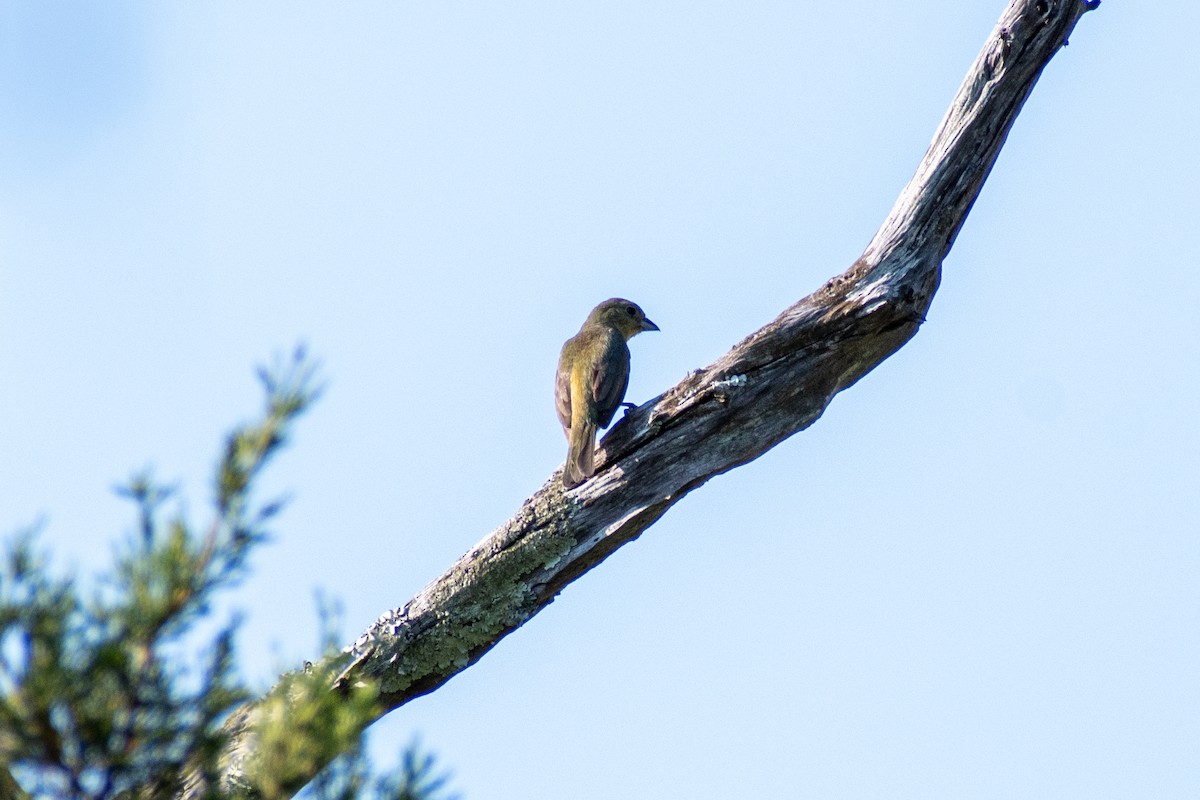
column 593, row 373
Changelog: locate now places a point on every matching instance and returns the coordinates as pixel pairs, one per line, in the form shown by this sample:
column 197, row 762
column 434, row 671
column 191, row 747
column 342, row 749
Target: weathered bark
column 775, row 383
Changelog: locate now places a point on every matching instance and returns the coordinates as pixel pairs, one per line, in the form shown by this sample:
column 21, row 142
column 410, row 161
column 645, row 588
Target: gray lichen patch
column 477, row 602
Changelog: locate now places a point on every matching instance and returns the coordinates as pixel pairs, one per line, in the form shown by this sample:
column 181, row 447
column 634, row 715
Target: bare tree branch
column 776, row 382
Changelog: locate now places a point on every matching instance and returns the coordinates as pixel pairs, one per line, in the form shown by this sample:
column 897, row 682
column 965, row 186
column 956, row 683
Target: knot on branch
column 997, row 54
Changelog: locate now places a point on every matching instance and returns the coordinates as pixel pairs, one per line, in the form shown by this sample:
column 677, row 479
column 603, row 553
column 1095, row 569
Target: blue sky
column 975, row 576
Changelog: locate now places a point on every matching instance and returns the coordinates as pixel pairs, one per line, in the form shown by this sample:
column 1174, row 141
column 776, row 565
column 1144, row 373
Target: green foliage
column 100, row 694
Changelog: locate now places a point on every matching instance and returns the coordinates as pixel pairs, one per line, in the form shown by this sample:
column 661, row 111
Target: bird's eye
column 631, row 311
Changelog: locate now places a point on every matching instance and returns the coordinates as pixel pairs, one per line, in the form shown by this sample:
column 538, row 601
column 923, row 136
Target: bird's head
column 626, row 316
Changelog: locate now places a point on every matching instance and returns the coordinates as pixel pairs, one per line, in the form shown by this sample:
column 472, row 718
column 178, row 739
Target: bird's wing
column 610, row 378
column 562, row 392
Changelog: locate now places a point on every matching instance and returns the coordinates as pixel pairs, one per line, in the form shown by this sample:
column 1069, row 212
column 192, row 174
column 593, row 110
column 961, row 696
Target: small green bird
column 593, row 373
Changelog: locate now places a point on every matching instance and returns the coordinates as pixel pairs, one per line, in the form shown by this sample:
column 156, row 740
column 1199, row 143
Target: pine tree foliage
column 112, row 690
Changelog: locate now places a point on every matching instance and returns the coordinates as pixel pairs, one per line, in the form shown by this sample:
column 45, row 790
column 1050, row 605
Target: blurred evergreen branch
column 113, row 693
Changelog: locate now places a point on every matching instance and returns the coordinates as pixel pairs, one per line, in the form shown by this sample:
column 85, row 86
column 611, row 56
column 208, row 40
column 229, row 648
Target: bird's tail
column 581, row 451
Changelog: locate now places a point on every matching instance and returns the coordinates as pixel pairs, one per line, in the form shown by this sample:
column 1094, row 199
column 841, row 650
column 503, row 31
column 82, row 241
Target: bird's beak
column 647, row 325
